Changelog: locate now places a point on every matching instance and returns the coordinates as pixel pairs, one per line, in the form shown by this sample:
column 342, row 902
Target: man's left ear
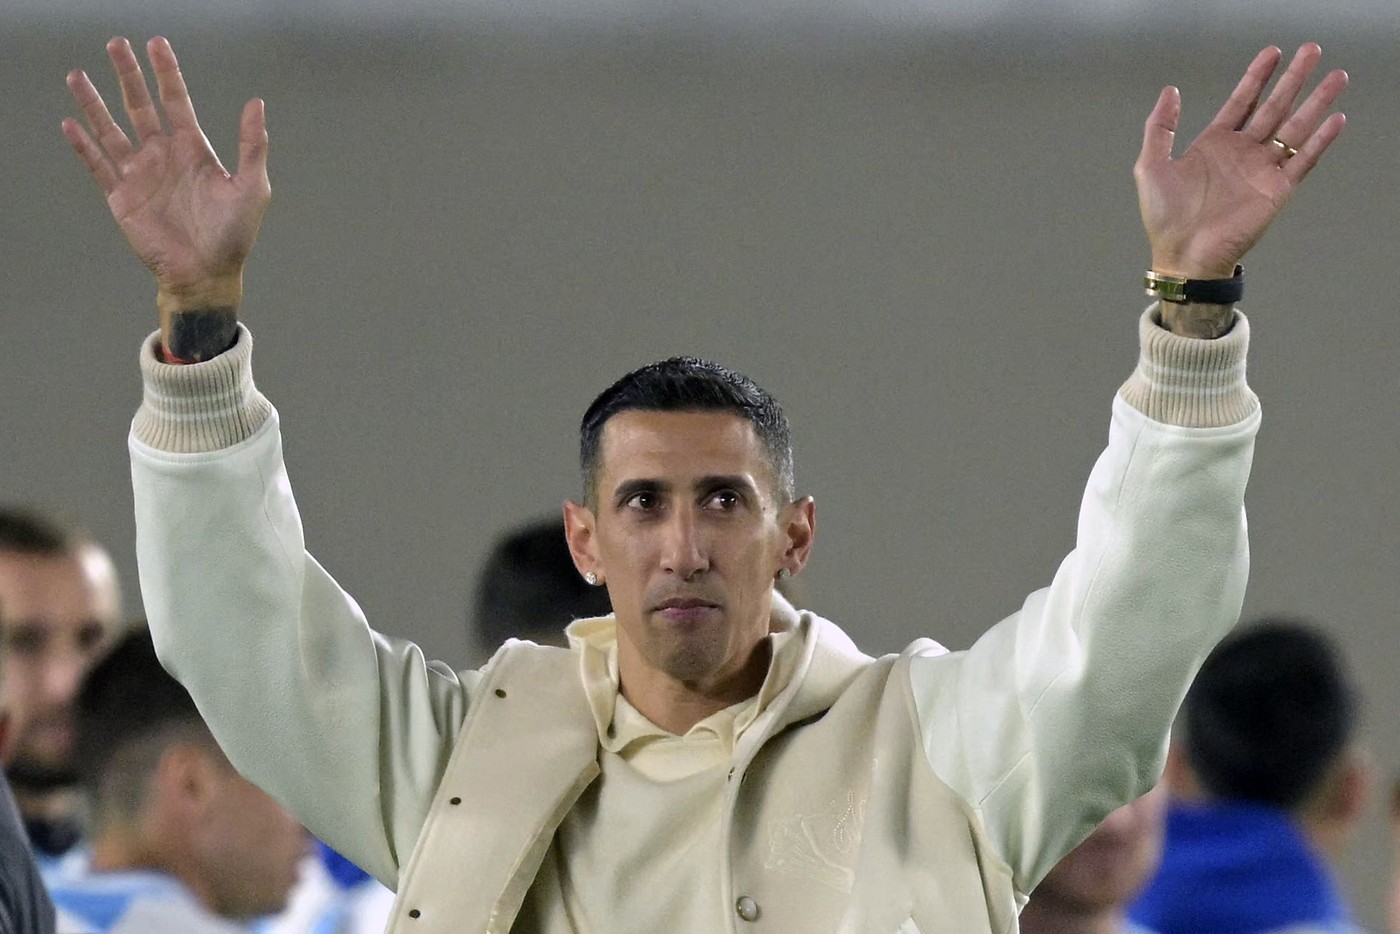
column 798, row 521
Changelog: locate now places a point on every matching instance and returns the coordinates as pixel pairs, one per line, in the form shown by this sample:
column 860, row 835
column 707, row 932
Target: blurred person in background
column 530, row 589
column 181, row 843
column 1089, row 891
column 1393, row 907
column 1268, row 786
column 62, row 606
column 24, row 903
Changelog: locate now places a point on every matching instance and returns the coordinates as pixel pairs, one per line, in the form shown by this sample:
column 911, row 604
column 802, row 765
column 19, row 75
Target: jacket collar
column 809, row 669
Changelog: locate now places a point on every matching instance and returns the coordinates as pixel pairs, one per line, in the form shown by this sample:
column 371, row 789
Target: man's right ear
column 184, row 777
column 581, row 532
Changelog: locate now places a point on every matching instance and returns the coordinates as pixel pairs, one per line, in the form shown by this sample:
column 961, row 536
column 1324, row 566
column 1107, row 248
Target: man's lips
column 685, row 609
column 686, row 603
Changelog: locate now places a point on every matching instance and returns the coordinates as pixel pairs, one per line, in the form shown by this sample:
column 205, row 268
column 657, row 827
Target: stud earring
column 784, row 574
column 591, row 578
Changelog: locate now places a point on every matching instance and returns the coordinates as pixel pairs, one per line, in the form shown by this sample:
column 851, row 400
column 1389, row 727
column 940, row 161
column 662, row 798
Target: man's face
column 1114, row 862
column 688, row 535
column 57, row 613
column 248, row 847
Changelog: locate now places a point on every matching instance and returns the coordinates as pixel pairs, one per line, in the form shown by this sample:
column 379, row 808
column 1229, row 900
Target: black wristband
column 1200, row 291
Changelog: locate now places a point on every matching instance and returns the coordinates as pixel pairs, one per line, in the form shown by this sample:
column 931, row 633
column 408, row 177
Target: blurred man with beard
column 61, row 604
column 1393, row 902
column 24, row 904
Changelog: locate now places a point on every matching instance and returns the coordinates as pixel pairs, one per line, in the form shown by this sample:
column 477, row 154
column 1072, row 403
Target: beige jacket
column 924, row 792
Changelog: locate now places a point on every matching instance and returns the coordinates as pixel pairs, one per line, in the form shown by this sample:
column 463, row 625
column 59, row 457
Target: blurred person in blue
column 181, row 843
column 1089, row 891
column 1268, row 783
column 62, row 605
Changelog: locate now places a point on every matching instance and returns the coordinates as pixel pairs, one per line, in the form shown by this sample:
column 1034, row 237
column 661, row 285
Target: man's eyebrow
column 736, row 481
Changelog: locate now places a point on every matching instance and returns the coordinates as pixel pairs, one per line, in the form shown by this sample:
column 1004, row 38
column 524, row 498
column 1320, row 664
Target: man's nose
column 684, row 554
column 63, row 673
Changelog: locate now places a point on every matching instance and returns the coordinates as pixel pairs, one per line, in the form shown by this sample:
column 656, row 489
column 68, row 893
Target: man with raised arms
column 707, row 758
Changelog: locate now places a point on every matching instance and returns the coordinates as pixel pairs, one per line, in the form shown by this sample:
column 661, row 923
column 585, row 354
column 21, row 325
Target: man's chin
column 30, row 774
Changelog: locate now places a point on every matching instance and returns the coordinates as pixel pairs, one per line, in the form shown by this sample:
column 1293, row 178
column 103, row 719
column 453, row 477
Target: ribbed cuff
column 1190, row 382
column 198, row 407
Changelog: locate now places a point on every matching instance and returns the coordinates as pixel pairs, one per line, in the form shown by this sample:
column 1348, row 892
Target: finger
column 1310, row 116
column 1159, row 133
column 252, row 140
column 1300, row 165
column 101, row 170
column 1245, row 97
column 1268, row 118
column 170, row 84
column 99, row 118
column 135, row 95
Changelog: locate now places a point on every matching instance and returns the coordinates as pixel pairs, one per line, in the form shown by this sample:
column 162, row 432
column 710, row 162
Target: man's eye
column 24, row 641
column 724, row 500
column 642, row 500
column 91, row 636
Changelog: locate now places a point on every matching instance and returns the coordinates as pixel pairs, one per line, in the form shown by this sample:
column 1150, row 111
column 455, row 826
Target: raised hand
column 188, row 220
column 1205, row 209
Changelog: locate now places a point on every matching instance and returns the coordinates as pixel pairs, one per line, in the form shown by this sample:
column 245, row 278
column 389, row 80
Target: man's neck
column 126, row 848
column 675, row 705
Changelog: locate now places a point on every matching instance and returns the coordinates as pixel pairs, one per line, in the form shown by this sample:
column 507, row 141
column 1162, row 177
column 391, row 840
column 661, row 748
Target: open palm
column 185, row 216
column 1204, row 210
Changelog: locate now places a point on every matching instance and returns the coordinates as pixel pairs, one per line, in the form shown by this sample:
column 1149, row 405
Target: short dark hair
column 129, row 711
column 32, row 531
column 530, row 588
column 688, row 384
column 1270, row 711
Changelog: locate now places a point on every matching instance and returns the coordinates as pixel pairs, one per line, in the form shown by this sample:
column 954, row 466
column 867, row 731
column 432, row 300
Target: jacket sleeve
column 1060, row 713
column 349, row 729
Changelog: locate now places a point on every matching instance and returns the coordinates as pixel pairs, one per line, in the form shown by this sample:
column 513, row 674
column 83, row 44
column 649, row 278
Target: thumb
column 1160, row 130
column 252, row 139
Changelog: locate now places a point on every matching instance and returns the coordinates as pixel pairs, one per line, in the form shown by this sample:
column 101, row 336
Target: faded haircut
column 129, row 712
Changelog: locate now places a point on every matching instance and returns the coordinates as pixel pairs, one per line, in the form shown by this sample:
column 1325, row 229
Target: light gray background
column 927, row 247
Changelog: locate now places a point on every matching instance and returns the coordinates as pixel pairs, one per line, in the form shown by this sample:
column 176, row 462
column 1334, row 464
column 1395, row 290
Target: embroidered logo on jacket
column 821, row 846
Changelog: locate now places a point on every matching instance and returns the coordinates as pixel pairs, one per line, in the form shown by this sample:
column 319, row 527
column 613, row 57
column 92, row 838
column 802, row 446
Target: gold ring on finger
column 1288, row 151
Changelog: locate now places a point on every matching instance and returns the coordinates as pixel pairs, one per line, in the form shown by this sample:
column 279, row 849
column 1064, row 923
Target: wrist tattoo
column 1198, row 320
column 202, row 333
